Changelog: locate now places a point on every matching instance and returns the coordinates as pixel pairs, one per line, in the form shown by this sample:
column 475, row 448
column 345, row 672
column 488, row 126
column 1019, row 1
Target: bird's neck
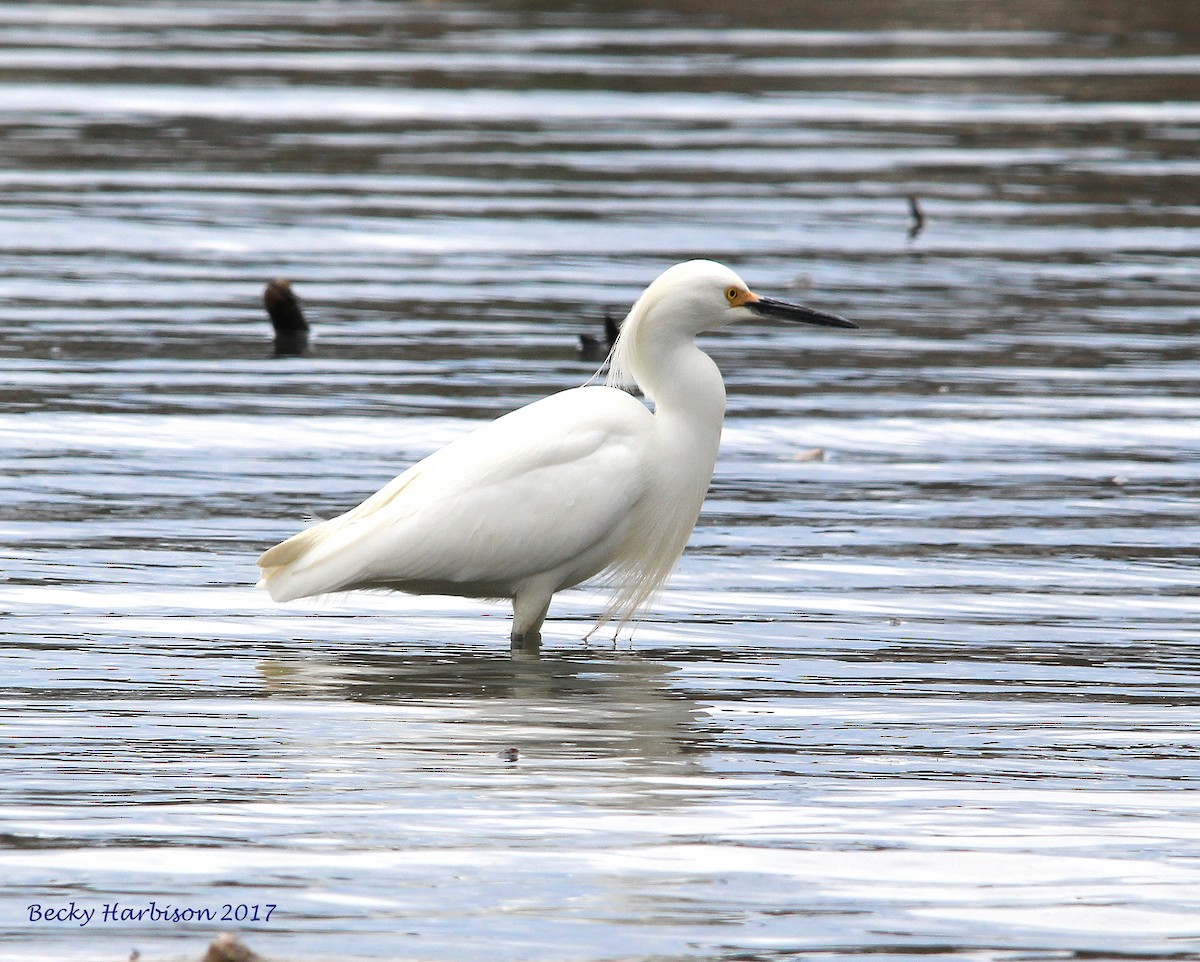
column 684, row 385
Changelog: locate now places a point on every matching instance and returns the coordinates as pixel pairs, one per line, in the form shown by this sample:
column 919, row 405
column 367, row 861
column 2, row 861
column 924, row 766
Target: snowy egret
column 585, row 482
column 291, row 329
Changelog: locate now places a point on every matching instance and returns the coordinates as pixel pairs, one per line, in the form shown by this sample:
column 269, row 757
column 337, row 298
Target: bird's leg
column 529, row 611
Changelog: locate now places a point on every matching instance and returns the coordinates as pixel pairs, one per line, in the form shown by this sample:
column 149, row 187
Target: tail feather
column 298, row 567
column 331, row 555
column 289, row 551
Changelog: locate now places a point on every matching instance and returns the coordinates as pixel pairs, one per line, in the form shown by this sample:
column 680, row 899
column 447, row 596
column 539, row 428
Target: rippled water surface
column 926, row 681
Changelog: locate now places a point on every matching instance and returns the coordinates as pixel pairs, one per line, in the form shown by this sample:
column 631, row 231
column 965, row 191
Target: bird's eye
column 731, row 294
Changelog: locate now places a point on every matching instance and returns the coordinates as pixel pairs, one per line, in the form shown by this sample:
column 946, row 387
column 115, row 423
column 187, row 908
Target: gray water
column 932, row 694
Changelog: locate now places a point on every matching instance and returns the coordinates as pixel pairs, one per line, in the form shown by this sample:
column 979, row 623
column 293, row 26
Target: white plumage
column 584, row 482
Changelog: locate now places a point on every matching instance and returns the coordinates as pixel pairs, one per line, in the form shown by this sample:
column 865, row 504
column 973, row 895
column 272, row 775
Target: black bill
column 769, row 307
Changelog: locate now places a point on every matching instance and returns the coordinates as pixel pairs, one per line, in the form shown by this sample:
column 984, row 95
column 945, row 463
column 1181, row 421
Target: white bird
column 585, row 482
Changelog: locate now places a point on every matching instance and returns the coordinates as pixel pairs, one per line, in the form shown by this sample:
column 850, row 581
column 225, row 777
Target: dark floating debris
column 595, row 348
column 509, row 754
column 229, row 948
column 291, row 329
column 918, row 217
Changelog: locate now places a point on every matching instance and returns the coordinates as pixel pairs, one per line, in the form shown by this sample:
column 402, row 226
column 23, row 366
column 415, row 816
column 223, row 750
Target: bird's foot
column 528, row 643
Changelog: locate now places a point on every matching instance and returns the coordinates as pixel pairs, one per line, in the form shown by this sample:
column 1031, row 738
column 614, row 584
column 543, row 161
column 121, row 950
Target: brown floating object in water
column 229, row 948
column 291, row 329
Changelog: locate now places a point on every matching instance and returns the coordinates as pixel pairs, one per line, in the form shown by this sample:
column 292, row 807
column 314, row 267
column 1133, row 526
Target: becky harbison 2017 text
column 73, row 913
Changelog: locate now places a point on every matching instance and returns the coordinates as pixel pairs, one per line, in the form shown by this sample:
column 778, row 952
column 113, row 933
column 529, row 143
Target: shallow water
column 933, row 693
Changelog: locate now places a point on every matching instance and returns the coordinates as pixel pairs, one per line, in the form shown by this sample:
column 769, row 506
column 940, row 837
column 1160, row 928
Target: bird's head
column 702, row 295
column 684, row 301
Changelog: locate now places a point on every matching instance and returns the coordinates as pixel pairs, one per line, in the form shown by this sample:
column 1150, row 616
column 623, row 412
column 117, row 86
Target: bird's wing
column 521, row 495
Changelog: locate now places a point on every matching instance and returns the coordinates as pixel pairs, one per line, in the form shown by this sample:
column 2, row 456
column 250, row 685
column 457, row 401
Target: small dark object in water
column 509, row 754
column 918, row 217
column 291, row 329
column 229, row 948
column 594, row 348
